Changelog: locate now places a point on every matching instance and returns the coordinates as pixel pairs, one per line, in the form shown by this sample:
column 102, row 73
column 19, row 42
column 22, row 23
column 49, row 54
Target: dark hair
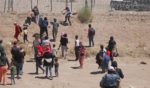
column 46, row 37
column 76, row 36
column 111, row 38
column 45, row 18
column 54, row 45
column 65, row 35
column 55, row 20
column 1, row 41
column 56, row 59
column 114, row 64
column 90, row 25
column 101, row 46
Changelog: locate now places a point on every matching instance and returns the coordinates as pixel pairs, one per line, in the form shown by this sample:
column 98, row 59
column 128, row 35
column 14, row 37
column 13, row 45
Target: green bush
column 85, row 15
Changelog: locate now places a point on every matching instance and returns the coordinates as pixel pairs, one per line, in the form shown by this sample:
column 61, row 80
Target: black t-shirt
column 64, row 41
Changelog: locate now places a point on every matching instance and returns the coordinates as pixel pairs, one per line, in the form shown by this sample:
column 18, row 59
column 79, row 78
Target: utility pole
column 37, row 3
column 31, row 4
column 51, row 3
column 71, row 4
column 66, row 3
column 5, row 6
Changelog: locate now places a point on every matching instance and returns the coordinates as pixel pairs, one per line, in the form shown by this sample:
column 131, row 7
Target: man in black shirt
column 63, row 44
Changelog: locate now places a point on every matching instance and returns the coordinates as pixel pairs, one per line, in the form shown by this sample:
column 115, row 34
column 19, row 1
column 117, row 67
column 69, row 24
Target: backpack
column 3, row 60
column 15, row 51
column 91, row 32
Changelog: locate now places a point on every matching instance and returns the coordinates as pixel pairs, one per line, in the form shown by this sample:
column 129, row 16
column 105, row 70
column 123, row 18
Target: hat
column 111, row 68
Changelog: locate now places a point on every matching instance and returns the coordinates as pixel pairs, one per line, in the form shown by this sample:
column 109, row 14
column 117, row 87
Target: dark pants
column 56, row 71
column 54, row 34
column 45, row 30
column 18, row 67
column 77, row 52
column 67, row 18
column 25, row 38
column 38, row 64
column 110, row 87
column 91, row 41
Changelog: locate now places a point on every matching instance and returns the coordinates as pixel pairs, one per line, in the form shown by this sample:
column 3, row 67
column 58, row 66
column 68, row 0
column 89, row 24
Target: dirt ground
column 130, row 29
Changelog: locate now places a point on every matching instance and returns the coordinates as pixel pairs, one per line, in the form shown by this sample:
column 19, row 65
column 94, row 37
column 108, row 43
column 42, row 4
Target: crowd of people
column 45, row 54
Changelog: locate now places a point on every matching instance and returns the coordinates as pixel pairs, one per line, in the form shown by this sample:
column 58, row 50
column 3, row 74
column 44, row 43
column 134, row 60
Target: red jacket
column 40, row 51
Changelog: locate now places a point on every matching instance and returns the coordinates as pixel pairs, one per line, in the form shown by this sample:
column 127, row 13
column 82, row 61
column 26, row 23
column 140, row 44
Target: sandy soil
column 131, row 32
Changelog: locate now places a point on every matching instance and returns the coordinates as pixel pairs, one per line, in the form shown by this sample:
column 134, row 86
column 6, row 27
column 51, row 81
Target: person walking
column 17, row 31
column 91, row 34
column 16, row 55
column 4, row 65
column 67, row 15
column 63, row 45
column 77, row 46
column 81, row 55
column 45, row 25
column 55, row 28
column 39, row 57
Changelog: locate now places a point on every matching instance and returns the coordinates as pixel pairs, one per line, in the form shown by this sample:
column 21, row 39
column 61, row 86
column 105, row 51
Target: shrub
column 85, row 15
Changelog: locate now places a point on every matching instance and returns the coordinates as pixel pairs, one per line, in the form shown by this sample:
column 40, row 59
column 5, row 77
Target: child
column 81, row 55
column 56, row 67
column 25, row 33
column 54, row 50
column 13, row 71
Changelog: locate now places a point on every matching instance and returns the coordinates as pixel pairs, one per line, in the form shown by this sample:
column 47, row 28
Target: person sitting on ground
column 55, row 28
column 91, row 34
column 77, row 45
column 110, row 80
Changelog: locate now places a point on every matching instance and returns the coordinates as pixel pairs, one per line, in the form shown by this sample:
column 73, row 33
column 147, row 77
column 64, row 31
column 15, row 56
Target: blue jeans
column 49, row 68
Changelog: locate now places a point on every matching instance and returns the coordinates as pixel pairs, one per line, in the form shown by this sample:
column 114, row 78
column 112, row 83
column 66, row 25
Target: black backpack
column 3, row 60
column 15, row 52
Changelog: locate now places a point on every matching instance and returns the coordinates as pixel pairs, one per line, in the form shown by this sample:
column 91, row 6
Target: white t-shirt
column 77, row 42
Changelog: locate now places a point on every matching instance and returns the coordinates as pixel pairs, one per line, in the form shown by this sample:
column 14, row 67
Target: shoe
column 51, row 78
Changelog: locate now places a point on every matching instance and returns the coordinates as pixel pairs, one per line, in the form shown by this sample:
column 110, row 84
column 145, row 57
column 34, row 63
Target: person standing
column 36, row 12
column 12, row 72
column 25, row 33
column 77, row 45
column 91, row 34
column 48, row 62
column 111, row 46
column 55, row 28
column 81, row 55
column 17, row 31
column 63, row 45
column 4, row 65
column 16, row 55
column 45, row 25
